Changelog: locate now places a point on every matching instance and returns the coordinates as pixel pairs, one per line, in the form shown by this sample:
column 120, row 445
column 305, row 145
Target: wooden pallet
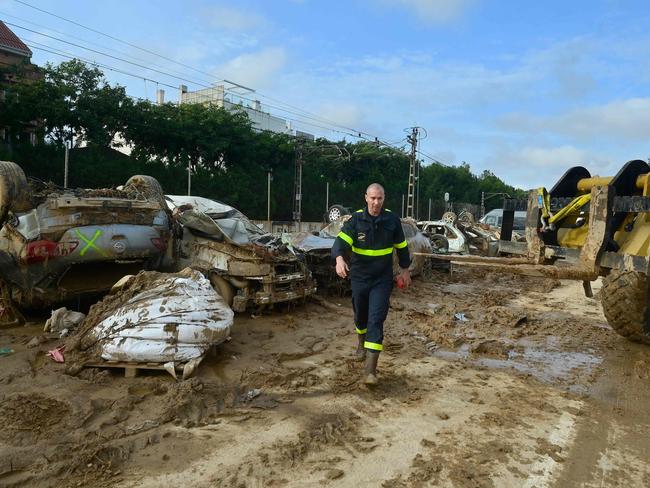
column 131, row 370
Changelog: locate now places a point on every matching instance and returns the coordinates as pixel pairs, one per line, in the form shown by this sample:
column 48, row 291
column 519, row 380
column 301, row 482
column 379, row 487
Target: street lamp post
column 327, row 196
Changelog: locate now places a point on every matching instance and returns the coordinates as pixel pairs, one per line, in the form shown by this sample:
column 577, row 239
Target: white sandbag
column 177, row 319
column 150, row 351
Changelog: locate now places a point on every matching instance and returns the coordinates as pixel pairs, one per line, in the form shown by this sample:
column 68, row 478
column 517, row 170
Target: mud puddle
column 545, row 365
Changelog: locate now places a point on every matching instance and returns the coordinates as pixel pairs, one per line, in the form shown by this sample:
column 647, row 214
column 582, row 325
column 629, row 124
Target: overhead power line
column 358, row 133
column 78, row 24
column 302, row 113
column 92, row 43
column 104, row 54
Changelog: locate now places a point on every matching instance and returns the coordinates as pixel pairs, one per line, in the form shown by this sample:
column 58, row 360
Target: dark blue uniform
column 370, row 242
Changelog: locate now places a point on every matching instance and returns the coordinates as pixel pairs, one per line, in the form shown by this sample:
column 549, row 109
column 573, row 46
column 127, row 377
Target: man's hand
column 342, row 268
column 406, row 278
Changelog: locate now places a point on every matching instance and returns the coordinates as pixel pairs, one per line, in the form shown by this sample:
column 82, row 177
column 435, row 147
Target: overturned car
column 249, row 268
column 62, row 244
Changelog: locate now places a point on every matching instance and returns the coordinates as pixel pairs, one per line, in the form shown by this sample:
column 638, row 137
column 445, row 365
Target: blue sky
column 524, row 89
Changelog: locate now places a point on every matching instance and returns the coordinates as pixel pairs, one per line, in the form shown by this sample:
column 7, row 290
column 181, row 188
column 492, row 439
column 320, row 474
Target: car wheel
column 466, row 218
column 336, row 212
column 15, row 195
column 148, row 186
column 449, row 218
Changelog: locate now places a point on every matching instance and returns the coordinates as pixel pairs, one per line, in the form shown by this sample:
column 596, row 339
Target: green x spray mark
column 90, row 243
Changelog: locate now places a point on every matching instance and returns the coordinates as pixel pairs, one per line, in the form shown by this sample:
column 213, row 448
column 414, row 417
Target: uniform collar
column 367, row 216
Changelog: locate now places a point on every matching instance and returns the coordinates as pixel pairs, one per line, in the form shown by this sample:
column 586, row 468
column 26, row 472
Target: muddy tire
column 625, row 296
column 466, row 218
column 224, row 288
column 147, row 186
column 335, row 212
column 15, row 195
column 449, row 218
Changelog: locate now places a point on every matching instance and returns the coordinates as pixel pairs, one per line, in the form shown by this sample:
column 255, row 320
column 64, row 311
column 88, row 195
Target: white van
column 494, row 218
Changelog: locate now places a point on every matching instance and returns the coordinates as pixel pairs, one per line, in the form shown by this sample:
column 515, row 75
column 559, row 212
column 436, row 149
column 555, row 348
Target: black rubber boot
column 370, row 378
column 361, row 351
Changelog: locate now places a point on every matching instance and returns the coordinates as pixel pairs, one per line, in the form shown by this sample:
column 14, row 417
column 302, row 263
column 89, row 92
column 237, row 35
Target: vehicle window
column 450, row 234
column 519, row 223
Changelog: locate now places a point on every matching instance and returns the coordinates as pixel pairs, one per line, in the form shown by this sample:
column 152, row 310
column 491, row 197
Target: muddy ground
column 487, row 380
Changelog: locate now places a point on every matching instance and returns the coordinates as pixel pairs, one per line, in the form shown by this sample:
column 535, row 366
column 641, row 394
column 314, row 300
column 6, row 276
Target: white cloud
column 230, row 18
column 344, row 113
column 624, row 119
column 532, row 166
column 433, row 11
column 255, row 69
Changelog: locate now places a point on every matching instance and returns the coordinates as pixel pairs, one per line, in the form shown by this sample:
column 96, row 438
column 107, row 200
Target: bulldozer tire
column 147, row 186
column 625, row 298
column 15, row 195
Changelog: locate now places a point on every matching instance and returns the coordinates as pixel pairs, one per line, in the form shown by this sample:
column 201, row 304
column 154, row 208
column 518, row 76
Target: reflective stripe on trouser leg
column 360, row 306
column 378, row 303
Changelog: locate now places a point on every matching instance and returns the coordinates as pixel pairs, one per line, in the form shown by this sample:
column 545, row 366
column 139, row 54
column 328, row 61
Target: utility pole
column 429, row 209
column 268, row 200
column 482, row 204
column 410, row 198
column 65, row 165
column 297, row 188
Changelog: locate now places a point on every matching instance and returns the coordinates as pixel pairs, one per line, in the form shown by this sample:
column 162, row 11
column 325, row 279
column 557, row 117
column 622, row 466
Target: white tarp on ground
column 177, row 319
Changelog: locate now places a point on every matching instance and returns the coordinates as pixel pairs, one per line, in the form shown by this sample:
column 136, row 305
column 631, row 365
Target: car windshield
column 231, row 222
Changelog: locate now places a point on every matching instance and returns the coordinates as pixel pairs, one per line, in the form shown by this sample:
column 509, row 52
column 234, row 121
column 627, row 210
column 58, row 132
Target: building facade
column 260, row 119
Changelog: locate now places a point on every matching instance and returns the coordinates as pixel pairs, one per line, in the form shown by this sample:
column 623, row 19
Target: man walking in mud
column 367, row 239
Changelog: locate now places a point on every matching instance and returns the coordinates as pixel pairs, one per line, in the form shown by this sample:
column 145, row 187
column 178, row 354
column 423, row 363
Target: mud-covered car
column 57, row 245
column 317, row 250
column 250, row 268
column 444, row 237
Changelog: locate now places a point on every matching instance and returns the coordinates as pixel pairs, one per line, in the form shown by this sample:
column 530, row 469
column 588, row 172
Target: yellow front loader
column 583, row 228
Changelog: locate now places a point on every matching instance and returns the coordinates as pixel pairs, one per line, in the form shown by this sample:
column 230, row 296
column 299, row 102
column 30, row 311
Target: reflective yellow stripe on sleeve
column 401, row 245
column 372, row 252
column 345, row 237
column 373, row 345
column 360, row 331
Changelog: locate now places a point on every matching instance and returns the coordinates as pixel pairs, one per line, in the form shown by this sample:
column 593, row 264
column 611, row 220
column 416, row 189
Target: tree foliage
column 228, row 158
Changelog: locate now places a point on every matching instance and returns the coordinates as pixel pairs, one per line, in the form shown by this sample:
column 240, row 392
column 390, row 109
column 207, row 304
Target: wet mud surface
column 487, row 380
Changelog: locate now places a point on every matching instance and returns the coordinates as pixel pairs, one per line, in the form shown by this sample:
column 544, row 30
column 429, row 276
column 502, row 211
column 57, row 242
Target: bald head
column 375, row 198
column 375, row 186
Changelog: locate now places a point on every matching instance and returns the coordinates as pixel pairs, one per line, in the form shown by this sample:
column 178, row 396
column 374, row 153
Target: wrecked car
column 61, row 244
column 249, row 267
column 444, row 237
column 317, row 249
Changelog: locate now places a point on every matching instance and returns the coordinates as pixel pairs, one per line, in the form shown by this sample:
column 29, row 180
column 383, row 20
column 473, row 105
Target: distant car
column 494, row 218
column 249, row 267
column 57, row 245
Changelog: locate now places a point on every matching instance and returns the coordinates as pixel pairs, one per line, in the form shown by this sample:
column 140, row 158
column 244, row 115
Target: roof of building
column 11, row 42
